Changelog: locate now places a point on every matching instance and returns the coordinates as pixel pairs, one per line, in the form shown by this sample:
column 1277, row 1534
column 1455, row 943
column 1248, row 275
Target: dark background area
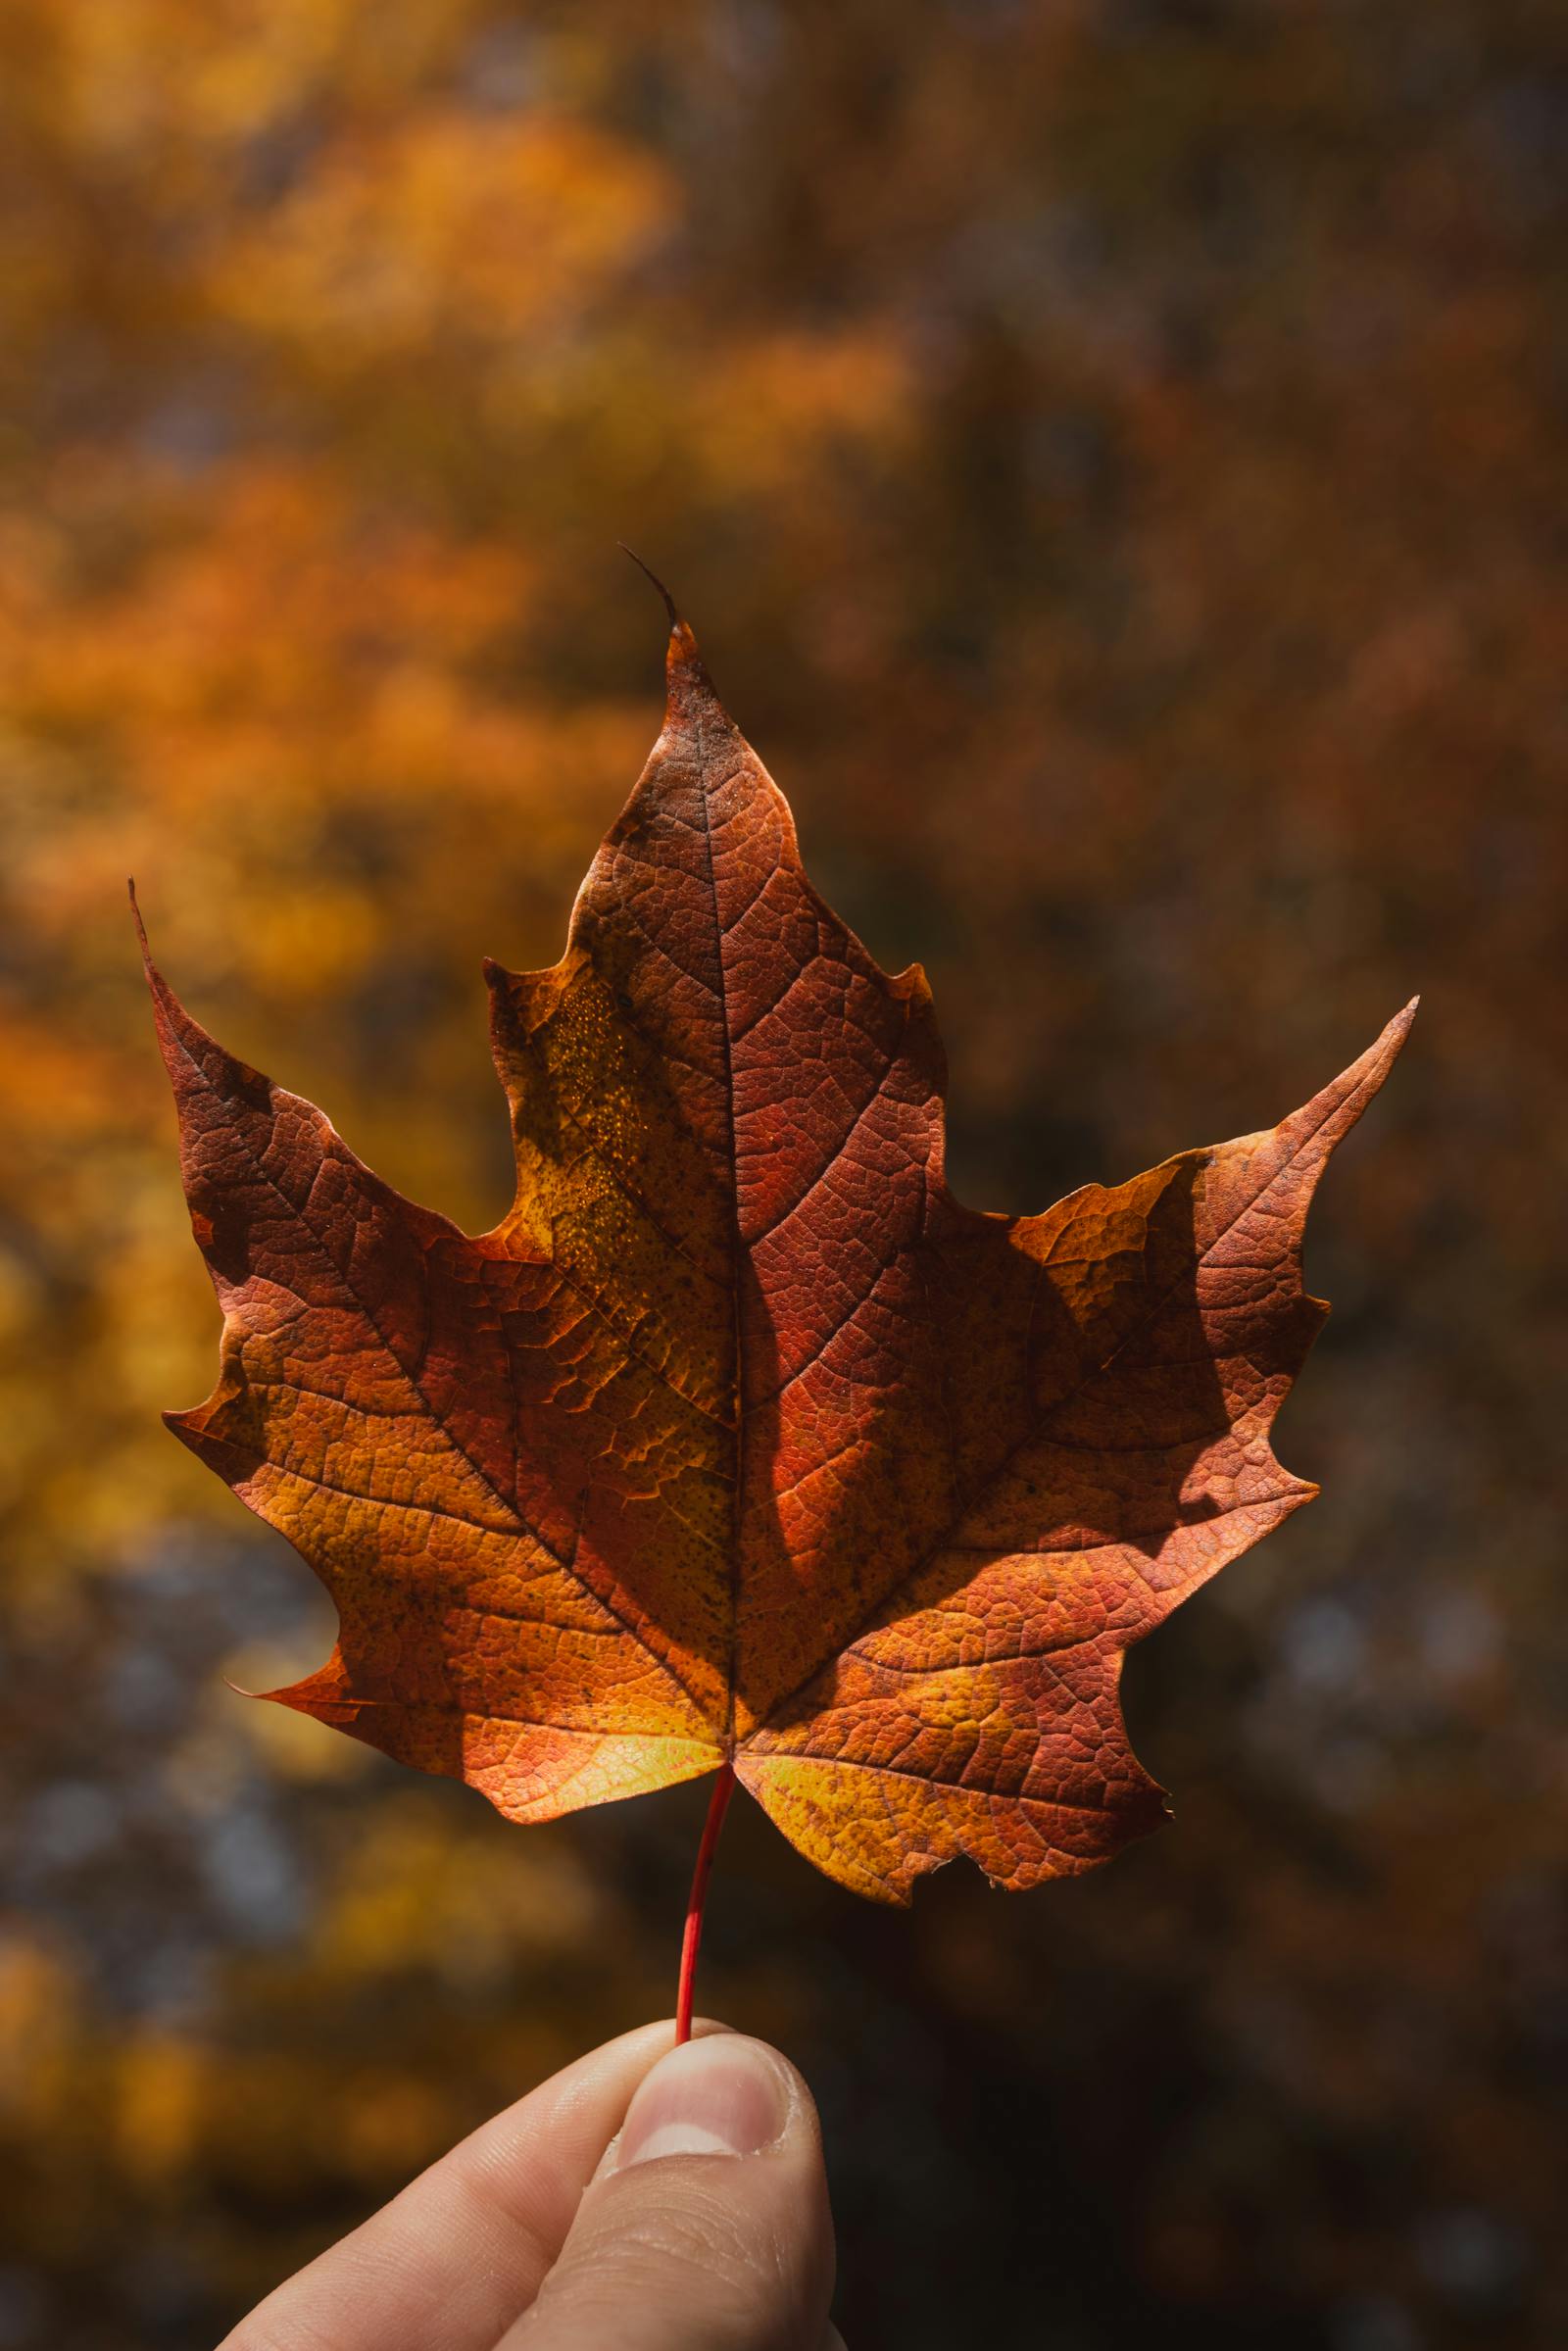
column 1112, row 454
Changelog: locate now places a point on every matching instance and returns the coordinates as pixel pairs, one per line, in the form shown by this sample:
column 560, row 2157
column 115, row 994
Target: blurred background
column 1113, row 452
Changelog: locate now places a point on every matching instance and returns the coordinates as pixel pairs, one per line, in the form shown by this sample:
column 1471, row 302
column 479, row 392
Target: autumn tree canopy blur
column 1111, row 451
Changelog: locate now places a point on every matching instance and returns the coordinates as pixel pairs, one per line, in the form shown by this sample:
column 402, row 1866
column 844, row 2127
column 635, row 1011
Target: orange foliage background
column 1111, row 451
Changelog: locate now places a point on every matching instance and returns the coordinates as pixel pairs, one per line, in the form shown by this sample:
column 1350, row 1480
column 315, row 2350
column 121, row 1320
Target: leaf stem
column 690, row 1944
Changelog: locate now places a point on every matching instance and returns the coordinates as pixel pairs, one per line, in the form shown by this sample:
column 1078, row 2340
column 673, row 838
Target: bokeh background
column 1114, row 454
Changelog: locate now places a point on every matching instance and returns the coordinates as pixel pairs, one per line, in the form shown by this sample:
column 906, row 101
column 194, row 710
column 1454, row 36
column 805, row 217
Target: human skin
column 647, row 2198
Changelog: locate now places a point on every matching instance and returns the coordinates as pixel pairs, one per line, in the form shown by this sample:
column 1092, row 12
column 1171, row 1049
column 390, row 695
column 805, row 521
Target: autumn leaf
column 738, row 1443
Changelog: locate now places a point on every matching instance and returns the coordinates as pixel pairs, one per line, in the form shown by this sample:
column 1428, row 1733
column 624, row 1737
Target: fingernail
column 721, row 2096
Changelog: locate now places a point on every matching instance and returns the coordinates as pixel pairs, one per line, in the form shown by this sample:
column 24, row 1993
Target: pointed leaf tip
column 165, row 1005
column 141, row 927
column 1398, row 1028
column 650, row 574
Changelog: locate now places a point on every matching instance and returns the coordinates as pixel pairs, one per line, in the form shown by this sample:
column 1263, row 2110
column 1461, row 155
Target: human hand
column 645, row 2199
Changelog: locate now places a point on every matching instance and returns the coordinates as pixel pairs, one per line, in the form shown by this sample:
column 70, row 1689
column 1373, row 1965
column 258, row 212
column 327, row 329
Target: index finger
column 452, row 2261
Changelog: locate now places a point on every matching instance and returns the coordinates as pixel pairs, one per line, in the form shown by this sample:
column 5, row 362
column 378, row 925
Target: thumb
column 706, row 2228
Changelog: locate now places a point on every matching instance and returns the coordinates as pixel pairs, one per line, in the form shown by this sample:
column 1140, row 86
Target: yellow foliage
column 444, row 225
column 154, row 2106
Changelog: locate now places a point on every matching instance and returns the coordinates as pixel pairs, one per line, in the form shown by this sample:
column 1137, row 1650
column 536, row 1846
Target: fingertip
column 720, row 2093
column 709, row 2220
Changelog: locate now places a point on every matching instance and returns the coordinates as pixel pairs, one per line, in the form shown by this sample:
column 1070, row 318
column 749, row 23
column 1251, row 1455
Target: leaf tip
column 186, row 1426
column 650, row 574
column 683, row 662
column 1381, row 1056
column 141, row 927
column 165, row 1005
column 1398, row 1028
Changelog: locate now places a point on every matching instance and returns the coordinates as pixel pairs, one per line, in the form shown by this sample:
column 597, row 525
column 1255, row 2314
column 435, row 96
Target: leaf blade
column 739, row 1439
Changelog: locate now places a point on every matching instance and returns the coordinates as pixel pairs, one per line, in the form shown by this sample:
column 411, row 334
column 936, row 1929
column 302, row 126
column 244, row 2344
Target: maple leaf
column 739, row 1445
